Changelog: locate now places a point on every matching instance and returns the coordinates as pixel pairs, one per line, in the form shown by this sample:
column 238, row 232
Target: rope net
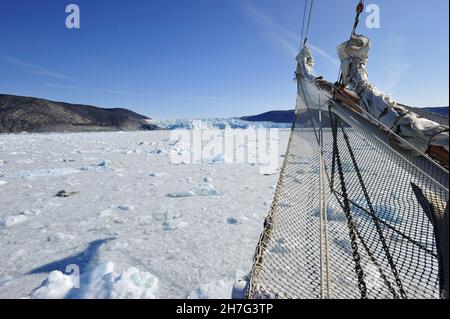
column 352, row 217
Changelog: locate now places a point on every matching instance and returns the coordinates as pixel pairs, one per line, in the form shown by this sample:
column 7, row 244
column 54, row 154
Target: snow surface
column 136, row 227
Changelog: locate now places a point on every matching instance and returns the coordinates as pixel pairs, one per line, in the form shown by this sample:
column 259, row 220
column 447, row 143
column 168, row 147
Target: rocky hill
column 19, row 113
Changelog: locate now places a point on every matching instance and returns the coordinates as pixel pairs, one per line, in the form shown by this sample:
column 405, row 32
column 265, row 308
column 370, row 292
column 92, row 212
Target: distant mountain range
column 439, row 110
column 272, row 116
column 19, row 113
column 288, row 116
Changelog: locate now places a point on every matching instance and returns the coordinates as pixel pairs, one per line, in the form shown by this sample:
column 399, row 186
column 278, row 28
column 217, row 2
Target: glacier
column 219, row 123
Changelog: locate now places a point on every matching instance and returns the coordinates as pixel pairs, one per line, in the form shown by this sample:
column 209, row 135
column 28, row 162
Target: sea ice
column 176, row 239
column 56, row 286
column 206, row 189
column 99, row 283
column 42, row 173
column 215, row 290
column 10, row 221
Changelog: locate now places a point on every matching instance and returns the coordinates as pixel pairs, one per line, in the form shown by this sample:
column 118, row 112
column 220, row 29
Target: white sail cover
column 418, row 133
column 305, row 64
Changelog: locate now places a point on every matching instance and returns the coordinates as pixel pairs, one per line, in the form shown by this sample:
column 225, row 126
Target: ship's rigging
column 361, row 206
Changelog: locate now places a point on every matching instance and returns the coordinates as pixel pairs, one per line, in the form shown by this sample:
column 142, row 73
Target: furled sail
column 419, row 132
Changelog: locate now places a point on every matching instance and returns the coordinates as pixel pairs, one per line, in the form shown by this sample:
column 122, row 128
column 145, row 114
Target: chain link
column 350, row 223
column 375, row 219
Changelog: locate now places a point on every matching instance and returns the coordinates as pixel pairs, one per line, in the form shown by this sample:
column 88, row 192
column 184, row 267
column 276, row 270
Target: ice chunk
column 103, row 165
column 160, row 215
column 125, row 208
column 134, row 284
column 181, row 194
column 169, row 225
column 31, row 212
column 42, row 173
column 100, row 282
column 153, row 174
column 232, row 221
column 12, row 220
column 3, row 183
column 215, row 290
column 58, row 237
column 206, row 190
column 105, row 213
column 201, row 190
column 218, row 159
column 4, row 279
column 56, row 286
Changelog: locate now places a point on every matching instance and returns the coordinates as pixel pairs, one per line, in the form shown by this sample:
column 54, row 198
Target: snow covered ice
column 136, row 227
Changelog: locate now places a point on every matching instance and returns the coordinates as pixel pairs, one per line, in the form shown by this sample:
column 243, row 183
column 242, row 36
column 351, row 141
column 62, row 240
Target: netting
column 352, row 217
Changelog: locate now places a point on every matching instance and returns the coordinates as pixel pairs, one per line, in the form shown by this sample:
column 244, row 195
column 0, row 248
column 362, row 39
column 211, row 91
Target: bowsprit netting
column 373, row 237
column 361, row 206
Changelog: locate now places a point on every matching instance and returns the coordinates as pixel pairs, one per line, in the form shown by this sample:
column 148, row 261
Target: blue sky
column 212, row 58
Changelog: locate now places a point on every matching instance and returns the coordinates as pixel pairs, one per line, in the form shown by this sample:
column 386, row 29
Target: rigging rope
column 303, row 23
column 307, row 23
column 371, row 228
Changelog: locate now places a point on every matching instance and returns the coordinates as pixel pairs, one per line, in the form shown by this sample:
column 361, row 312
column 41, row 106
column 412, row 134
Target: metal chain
column 372, row 258
column 350, row 223
column 333, row 163
column 359, row 10
column 380, row 270
column 375, row 219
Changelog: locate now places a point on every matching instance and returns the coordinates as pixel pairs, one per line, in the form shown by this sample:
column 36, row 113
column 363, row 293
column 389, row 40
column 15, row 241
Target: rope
column 324, row 240
column 303, row 22
column 309, row 22
column 304, row 36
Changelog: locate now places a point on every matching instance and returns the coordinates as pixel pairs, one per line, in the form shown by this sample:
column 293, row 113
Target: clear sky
column 212, row 58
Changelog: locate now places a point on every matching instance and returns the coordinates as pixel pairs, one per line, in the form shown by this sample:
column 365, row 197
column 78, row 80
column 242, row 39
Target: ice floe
column 99, row 283
column 215, row 290
column 13, row 220
column 206, row 189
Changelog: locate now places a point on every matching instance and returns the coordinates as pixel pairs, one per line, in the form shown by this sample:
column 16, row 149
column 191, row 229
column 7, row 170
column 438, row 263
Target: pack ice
column 131, row 224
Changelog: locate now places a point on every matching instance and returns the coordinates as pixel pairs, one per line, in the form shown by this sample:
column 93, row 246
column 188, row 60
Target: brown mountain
column 19, row 113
